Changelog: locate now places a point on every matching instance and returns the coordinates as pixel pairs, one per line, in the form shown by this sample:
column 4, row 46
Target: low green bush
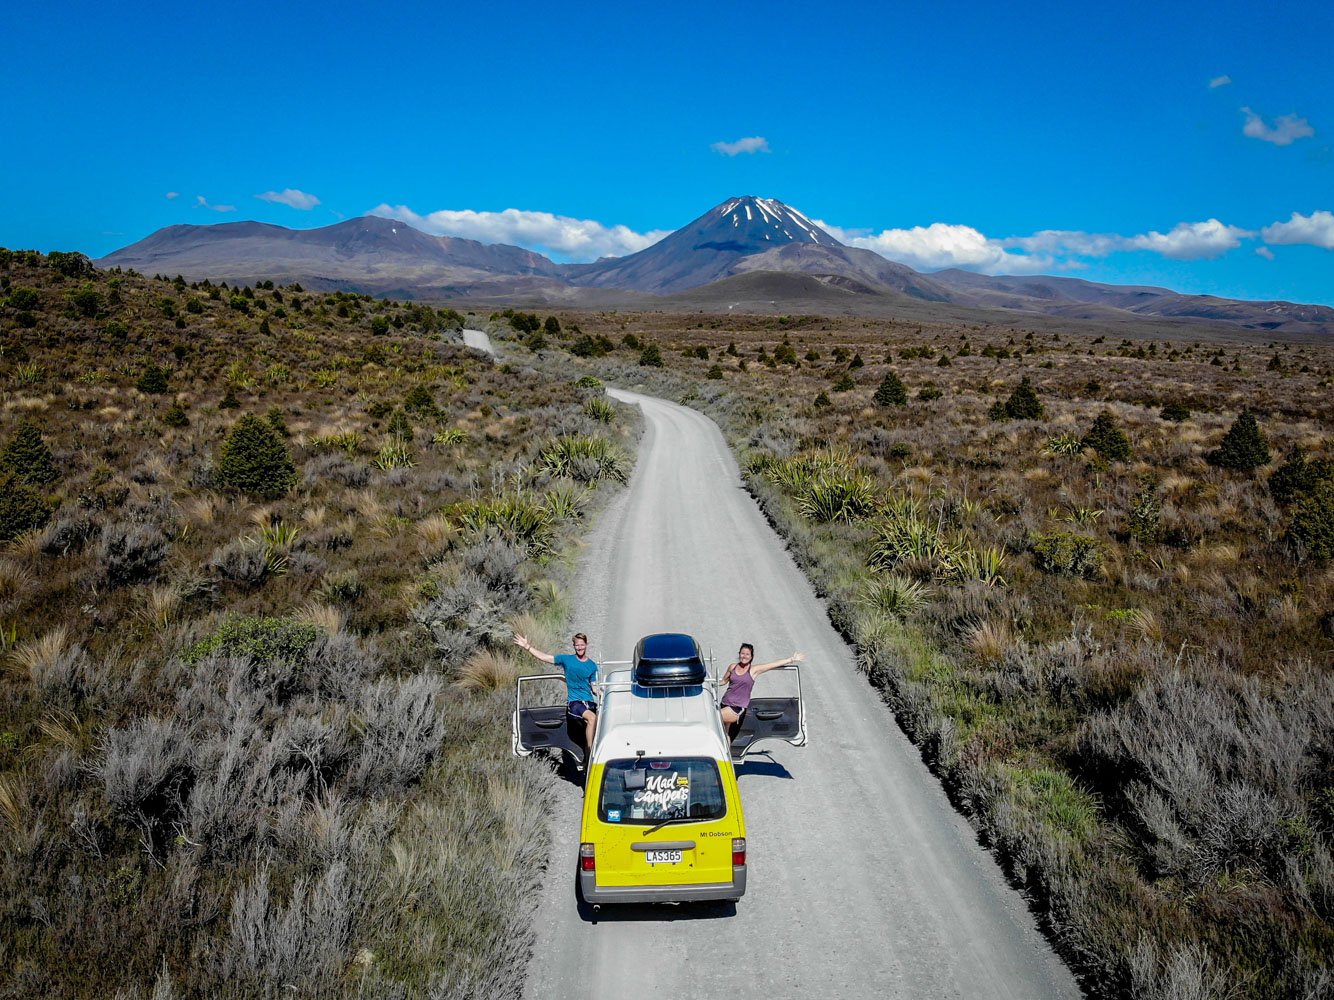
column 262, row 639
column 1066, row 553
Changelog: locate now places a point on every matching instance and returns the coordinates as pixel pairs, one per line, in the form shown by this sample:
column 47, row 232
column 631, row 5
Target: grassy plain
column 254, row 741
column 1111, row 634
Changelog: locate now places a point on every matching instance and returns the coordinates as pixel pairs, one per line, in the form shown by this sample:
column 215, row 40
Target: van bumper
column 596, row 894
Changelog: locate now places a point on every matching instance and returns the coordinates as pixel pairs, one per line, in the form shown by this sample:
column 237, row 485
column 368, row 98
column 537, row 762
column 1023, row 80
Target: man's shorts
column 576, row 709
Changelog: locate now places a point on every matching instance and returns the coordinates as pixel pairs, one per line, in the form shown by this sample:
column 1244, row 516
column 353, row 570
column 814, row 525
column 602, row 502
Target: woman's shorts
column 576, row 709
column 740, row 712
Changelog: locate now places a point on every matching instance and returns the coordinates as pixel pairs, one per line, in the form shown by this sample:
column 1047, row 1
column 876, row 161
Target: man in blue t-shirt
column 581, row 681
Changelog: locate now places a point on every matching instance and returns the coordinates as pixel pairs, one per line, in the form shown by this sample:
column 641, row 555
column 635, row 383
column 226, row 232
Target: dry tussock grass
column 36, row 656
column 487, row 671
column 328, row 618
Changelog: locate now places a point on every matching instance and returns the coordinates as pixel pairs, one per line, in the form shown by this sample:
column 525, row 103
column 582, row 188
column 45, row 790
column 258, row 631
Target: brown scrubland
column 263, row 548
column 262, row 554
column 1091, row 574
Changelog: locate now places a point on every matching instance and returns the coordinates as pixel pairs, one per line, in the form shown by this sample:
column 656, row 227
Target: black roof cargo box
column 668, row 659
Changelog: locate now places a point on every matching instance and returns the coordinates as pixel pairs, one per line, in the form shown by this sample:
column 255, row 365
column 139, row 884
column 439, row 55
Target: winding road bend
column 863, row 880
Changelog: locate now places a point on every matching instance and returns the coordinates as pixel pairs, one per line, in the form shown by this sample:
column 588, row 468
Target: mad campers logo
column 664, row 796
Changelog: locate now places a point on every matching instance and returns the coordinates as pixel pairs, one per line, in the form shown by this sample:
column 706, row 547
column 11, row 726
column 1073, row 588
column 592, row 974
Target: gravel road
column 863, row 881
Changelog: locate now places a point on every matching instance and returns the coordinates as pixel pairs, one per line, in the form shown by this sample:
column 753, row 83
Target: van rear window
column 657, row 789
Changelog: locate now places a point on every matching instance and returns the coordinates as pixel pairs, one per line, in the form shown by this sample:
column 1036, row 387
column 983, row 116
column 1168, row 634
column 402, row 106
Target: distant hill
column 743, row 236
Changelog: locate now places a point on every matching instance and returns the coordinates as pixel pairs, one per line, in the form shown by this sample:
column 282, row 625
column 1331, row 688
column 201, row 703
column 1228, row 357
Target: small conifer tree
column 27, row 456
column 1023, row 403
column 1107, row 439
column 1243, row 448
column 254, row 459
column 153, row 380
column 175, row 416
column 1312, row 527
column 845, row 383
column 1299, row 477
column 22, row 508
column 650, row 356
column 892, row 391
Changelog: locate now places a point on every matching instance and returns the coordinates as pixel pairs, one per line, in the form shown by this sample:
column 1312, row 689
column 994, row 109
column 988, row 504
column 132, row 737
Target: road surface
column 863, row 881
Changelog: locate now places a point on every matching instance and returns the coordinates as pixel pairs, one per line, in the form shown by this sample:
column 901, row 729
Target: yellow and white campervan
column 662, row 818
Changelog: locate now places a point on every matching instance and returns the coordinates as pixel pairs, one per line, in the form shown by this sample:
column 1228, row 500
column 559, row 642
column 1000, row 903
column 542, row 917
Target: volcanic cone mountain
column 706, row 249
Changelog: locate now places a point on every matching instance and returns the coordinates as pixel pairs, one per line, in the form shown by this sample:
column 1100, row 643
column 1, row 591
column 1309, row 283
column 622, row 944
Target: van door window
column 658, row 789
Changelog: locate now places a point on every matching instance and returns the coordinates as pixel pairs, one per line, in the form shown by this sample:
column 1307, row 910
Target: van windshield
column 657, row 789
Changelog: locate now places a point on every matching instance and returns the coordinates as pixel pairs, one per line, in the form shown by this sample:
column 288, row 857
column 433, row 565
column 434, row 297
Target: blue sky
column 1189, row 145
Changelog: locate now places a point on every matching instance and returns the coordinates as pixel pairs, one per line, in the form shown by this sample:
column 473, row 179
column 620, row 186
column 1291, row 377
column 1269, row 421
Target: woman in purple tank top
column 740, row 682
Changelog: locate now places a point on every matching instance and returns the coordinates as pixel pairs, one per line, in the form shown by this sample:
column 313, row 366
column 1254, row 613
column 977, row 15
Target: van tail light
column 738, row 852
column 588, row 863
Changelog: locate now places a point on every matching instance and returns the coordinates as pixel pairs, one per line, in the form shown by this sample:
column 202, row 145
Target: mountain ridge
column 741, row 235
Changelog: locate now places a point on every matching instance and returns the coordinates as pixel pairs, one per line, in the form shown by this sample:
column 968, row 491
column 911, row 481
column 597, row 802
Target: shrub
column 153, row 380
column 585, row 458
column 591, row 347
column 822, row 401
column 129, row 553
column 1107, row 439
column 419, row 400
column 27, row 457
column 1069, row 554
column 844, row 383
column 715, row 372
column 401, row 730
column 23, row 299
column 1144, row 519
column 600, row 410
column 518, row 518
column 22, row 508
column 255, row 460
column 399, row 426
column 838, row 496
column 1243, row 448
column 1024, row 404
column 1312, row 527
column 87, row 301
column 175, row 416
column 906, row 537
column 891, row 391
column 650, row 356
column 589, row 382
column 929, row 392
column 268, row 640
column 1298, row 477
column 1175, row 412
column 144, row 767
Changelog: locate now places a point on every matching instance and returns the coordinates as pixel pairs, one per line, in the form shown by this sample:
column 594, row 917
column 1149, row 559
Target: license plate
column 664, row 857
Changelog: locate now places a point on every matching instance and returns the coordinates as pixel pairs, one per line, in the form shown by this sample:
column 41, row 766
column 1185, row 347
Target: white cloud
column 291, row 197
column 750, row 144
column 1185, row 241
column 1285, row 130
column 1264, row 252
column 941, row 245
column 172, row 195
column 1219, row 81
column 575, row 239
column 1316, row 229
column 1191, row 240
column 202, row 202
